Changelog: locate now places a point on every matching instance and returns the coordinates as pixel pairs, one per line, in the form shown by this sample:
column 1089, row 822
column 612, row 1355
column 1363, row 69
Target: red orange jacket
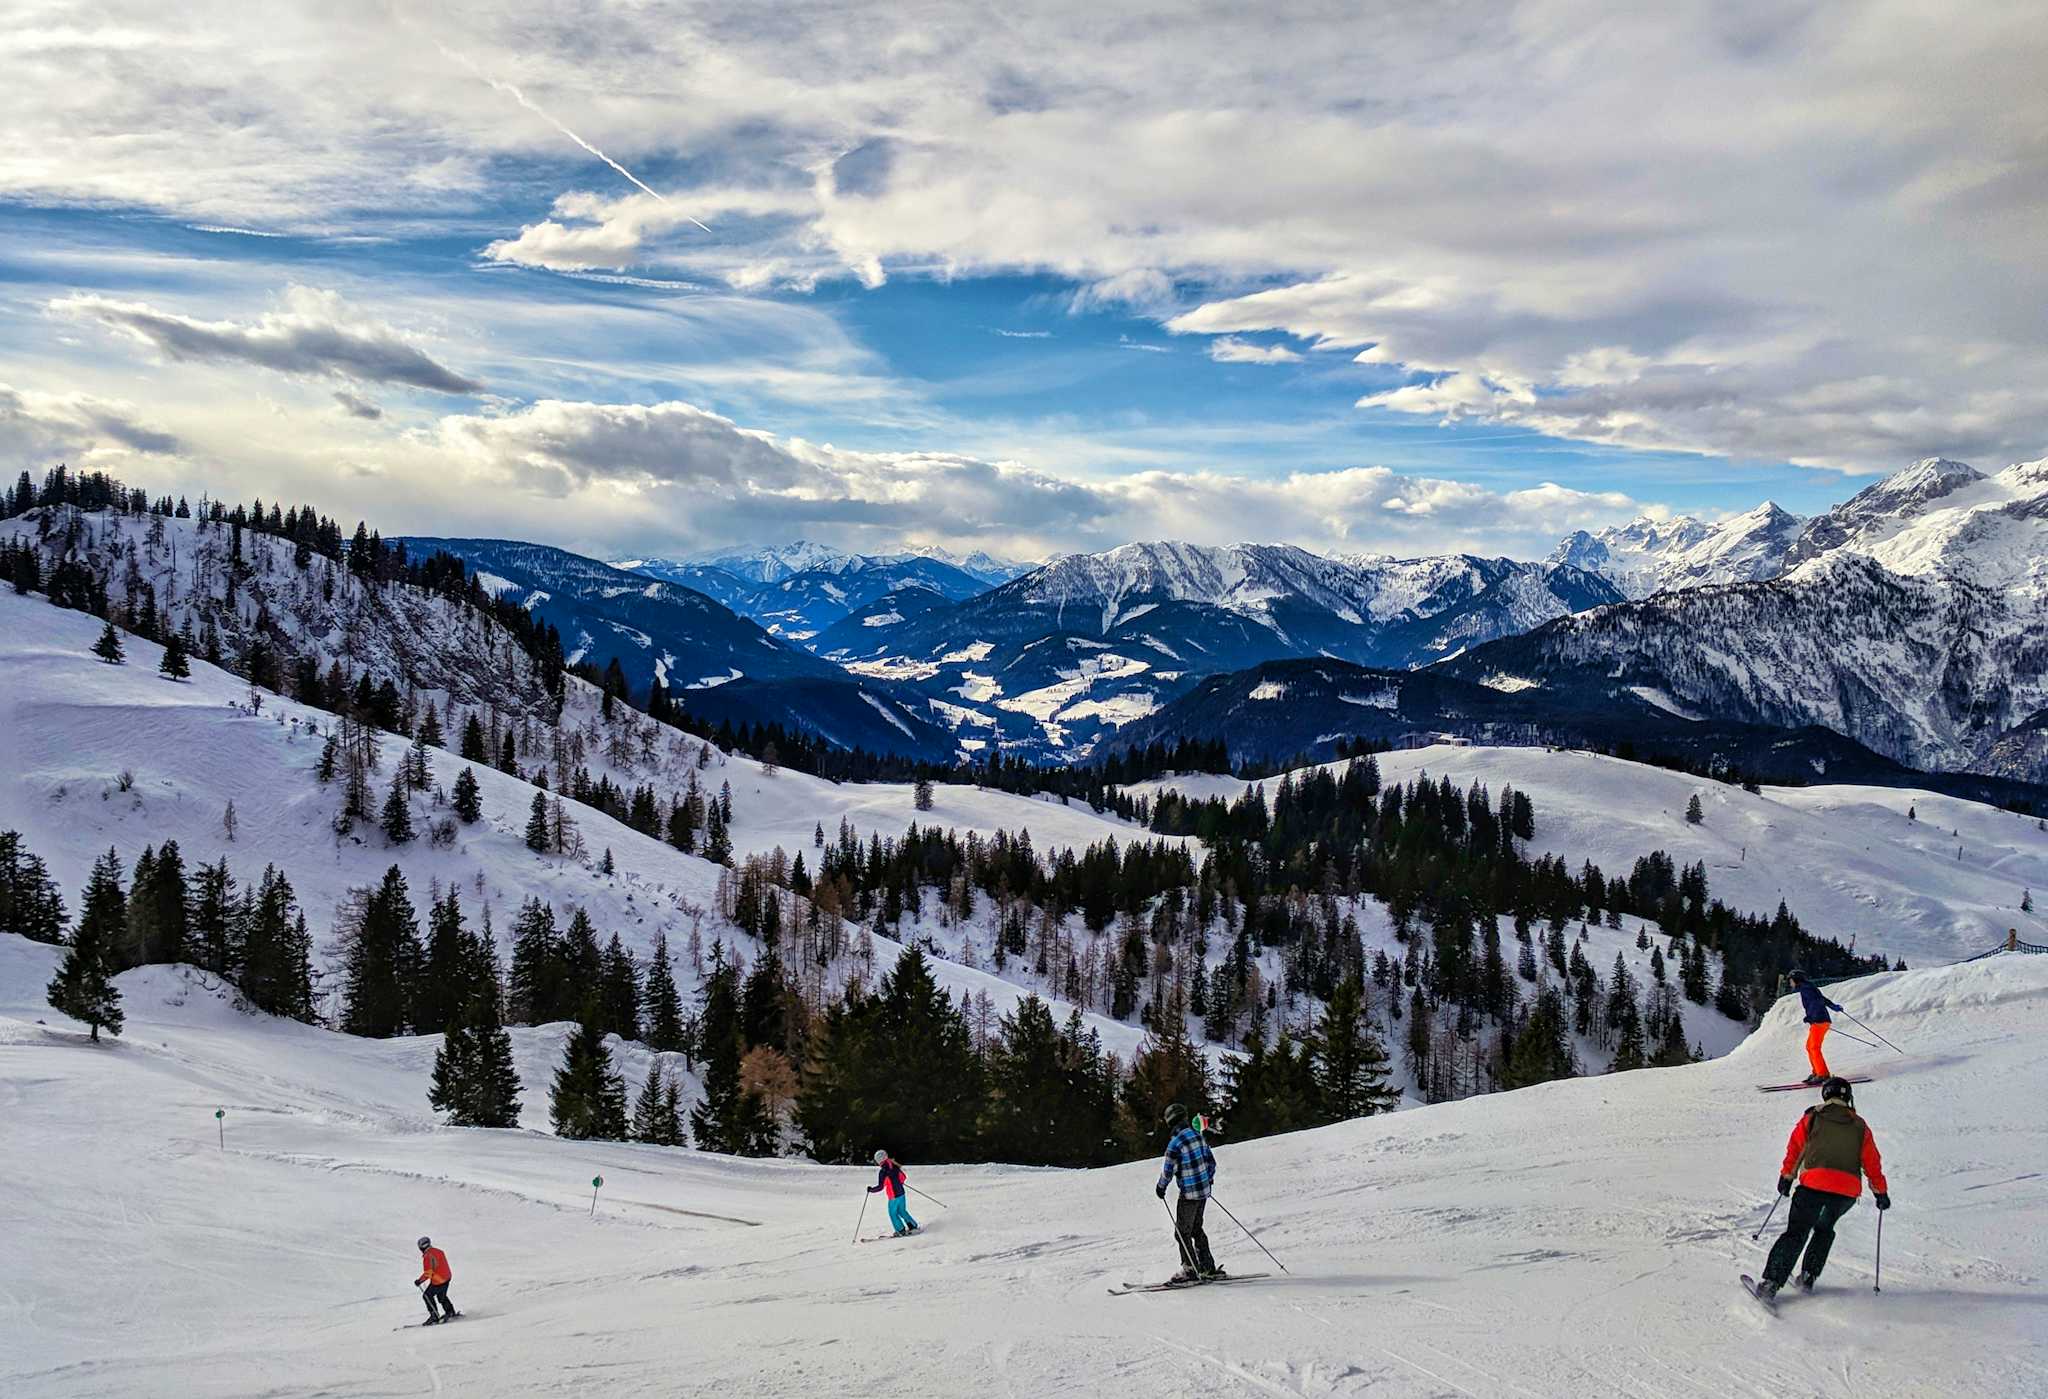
column 434, row 1267
column 1835, row 1182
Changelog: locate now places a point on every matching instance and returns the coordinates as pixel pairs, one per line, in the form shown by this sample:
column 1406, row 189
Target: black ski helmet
column 1797, row 976
column 425, row 1243
column 1838, row 1090
column 1176, row 1116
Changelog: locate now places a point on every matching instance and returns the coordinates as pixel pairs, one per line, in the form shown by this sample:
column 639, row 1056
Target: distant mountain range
column 699, row 648
column 800, row 590
column 1911, row 619
column 1048, row 663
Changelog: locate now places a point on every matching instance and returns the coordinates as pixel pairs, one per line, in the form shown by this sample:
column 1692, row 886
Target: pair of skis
column 1795, row 1087
column 1131, row 1287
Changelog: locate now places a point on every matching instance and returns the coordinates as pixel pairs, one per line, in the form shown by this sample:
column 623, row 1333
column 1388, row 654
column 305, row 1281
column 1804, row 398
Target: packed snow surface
column 1573, row 1239
column 1906, row 873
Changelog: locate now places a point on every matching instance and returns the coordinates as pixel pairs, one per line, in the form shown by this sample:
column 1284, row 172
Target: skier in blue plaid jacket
column 1189, row 1162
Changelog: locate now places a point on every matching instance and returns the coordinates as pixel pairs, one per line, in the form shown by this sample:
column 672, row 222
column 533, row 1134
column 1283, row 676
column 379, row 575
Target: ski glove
column 1784, row 1185
column 1160, row 1192
column 1884, row 1201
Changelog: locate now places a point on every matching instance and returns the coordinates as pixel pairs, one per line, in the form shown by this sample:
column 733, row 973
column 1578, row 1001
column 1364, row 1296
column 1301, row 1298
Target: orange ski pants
column 1814, row 1035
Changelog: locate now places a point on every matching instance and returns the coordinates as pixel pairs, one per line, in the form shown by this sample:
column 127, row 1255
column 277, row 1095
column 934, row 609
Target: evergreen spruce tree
column 418, row 766
column 898, row 1066
column 176, row 664
column 380, row 959
column 1051, row 1101
column 158, row 921
column 275, row 971
column 657, row 1118
column 1628, row 1048
column 582, row 965
column 84, row 985
column 396, row 819
column 1167, row 1069
column 588, row 1101
column 725, row 1120
column 1542, row 1050
column 764, row 1003
column 475, row 749
column 108, row 649
column 1273, row 1089
column 717, row 841
column 537, row 980
column 1693, row 813
column 29, row 902
column 474, row 1080
column 619, row 987
column 539, row 836
column 212, row 923
column 664, row 1029
column 1351, row 1063
column 466, row 798
column 493, row 1097
column 443, row 985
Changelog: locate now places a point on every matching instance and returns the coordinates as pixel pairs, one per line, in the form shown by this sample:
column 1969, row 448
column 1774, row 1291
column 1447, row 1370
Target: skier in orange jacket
column 435, row 1275
column 1830, row 1152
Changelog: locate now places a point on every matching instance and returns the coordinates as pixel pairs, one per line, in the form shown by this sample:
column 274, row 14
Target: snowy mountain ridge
column 1912, row 618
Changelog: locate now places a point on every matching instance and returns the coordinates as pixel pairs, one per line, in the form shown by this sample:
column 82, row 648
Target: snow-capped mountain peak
column 1649, row 556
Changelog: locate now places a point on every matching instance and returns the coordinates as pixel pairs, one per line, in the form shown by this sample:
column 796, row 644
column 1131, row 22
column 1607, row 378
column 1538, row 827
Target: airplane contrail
column 511, row 90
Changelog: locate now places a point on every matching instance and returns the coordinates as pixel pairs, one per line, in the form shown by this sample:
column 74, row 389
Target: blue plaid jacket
column 1189, row 1159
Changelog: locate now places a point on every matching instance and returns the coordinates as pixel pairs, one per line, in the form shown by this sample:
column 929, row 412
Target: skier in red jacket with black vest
column 1830, row 1153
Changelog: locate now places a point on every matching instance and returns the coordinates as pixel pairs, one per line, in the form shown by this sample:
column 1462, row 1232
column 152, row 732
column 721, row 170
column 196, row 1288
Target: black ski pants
column 1810, row 1226
column 438, row 1292
column 1194, row 1244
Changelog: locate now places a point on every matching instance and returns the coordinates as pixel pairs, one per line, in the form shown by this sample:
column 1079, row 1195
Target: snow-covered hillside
column 1572, row 1239
column 73, row 731
column 93, row 756
column 1850, row 862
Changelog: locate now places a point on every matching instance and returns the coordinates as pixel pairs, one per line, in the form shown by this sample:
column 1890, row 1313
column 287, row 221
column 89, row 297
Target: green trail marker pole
column 221, row 1126
column 595, row 1182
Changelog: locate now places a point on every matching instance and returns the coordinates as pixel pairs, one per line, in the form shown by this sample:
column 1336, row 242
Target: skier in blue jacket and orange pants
column 893, row 1188
column 1816, row 1007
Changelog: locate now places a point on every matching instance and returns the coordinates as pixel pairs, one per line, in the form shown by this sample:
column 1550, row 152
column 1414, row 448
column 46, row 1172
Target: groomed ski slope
column 1580, row 1238
column 1850, row 861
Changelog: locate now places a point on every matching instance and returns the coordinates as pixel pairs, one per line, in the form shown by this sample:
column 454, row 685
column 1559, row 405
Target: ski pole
column 1867, row 1030
column 1767, row 1220
column 1854, row 1039
column 1877, row 1271
column 915, row 1191
column 1249, row 1234
column 863, row 1218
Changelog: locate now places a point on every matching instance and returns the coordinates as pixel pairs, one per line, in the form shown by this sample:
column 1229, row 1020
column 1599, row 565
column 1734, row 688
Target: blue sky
column 1020, row 282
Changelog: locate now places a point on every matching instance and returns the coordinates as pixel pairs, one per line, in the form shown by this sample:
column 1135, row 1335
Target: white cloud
column 316, row 333
column 1745, row 228
column 646, row 474
column 1230, row 349
column 42, row 429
